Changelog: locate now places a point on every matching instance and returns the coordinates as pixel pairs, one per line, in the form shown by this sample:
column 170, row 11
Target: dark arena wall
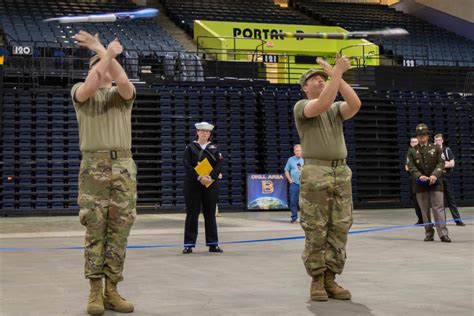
column 255, row 128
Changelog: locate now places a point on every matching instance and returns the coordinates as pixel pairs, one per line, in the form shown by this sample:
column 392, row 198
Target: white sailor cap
column 204, row 126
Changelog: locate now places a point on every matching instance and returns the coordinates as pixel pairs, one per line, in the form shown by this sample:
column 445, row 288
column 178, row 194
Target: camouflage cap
column 310, row 73
column 422, row 129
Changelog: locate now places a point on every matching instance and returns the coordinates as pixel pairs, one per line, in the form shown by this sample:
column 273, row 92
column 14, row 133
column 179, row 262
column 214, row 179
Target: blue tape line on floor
column 249, row 241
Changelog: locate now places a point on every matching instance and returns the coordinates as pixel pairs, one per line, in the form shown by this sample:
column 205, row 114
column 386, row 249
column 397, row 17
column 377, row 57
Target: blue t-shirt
column 293, row 169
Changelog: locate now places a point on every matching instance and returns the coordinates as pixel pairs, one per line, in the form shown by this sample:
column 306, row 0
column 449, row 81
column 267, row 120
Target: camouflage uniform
column 107, row 181
column 107, row 198
column 326, row 215
column 326, row 192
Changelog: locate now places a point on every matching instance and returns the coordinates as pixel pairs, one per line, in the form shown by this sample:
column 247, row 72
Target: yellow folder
column 204, row 168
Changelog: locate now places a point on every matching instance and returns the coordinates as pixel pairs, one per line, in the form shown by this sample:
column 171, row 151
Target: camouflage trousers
column 326, row 216
column 107, row 199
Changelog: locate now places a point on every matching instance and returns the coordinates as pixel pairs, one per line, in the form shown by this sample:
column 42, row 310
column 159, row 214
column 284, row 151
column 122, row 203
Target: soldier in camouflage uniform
column 426, row 165
column 326, row 192
column 107, row 176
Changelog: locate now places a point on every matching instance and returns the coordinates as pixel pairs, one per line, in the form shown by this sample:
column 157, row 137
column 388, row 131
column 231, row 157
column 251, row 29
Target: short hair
column 439, row 135
column 299, row 145
column 93, row 60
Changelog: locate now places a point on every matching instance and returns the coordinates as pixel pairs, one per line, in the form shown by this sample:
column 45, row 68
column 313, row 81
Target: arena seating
column 446, row 113
column 23, row 25
column 426, row 45
column 184, row 12
column 254, row 129
column 254, row 119
column 40, row 150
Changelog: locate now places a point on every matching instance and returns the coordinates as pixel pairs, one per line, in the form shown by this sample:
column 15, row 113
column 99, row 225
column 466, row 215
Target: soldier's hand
column 424, row 178
column 325, row 66
column 342, row 63
column 85, row 39
column 433, row 179
column 114, row 48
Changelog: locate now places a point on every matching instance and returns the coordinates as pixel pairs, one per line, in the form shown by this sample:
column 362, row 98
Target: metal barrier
column 72, row 64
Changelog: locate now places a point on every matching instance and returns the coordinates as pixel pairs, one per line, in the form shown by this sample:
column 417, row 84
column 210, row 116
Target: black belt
column 107, row 154
column 327, row 163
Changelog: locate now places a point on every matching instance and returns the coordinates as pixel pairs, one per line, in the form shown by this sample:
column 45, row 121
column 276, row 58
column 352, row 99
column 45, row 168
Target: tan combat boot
column 95, row 306
column 333, row 289
column 113, row 300
column 318, row 293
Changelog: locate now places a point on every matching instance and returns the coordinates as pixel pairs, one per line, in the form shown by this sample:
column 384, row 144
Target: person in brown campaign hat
column 426, row 164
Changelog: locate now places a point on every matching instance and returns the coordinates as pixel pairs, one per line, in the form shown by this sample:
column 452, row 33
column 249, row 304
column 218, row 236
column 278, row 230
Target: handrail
column 363, row 52
column 262, row 43
column 174, row 66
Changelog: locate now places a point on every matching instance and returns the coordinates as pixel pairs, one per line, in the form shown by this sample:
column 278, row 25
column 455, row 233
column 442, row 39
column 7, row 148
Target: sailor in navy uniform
column 196, row 194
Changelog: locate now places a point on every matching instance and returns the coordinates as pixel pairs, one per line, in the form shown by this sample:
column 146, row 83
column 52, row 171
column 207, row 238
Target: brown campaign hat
column 422, row 129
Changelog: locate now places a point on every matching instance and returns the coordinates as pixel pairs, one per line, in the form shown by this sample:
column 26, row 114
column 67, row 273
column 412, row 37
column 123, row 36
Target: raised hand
column 325, row 66
column 114, row 48
column 89, row 41
column 342, row 63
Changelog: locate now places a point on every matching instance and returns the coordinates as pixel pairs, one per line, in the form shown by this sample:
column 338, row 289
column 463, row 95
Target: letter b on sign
column 267, row 187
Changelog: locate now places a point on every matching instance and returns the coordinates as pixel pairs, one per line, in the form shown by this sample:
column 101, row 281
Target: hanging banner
column 266, row 191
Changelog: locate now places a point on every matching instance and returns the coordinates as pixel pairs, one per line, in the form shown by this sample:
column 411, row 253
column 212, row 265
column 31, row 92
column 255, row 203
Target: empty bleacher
column 376, row 150
column 254, row 119
column 427, row 44
column 184, row 12
column 40, row 150
column 446, row 113
column 254, row 130
column 23, row 25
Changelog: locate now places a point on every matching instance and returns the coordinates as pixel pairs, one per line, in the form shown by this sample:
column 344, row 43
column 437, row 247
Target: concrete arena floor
column 390, row 272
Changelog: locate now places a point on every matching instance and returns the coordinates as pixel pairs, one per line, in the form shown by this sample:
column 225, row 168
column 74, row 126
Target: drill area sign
column 266, row 191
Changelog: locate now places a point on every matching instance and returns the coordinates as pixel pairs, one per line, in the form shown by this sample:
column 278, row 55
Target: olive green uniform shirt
column 104, row 120
column 321, row 136
column 426, row 160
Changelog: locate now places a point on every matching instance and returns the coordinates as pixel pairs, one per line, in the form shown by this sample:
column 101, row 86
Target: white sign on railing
column 22, row 50
column 409, row 63
column 269, row 58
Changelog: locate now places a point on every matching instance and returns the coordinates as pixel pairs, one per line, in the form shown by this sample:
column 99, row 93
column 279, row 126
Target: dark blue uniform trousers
column 199, row 197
